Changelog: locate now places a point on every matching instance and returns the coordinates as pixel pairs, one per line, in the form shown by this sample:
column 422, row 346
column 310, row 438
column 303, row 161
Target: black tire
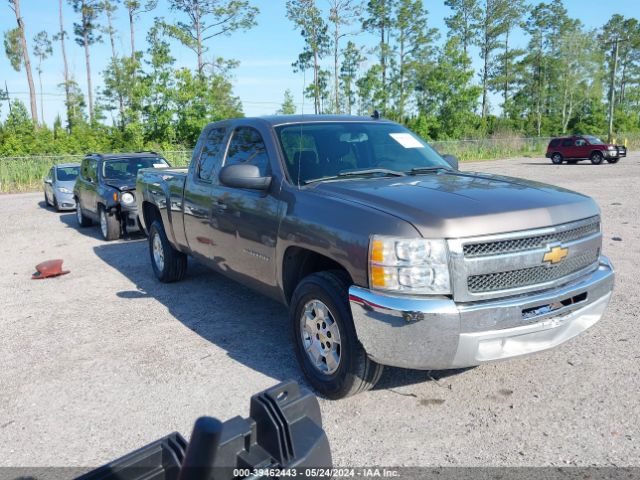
column 556, row 158
column 46, row 200
column 83, row 220
column 612, row 160
column 55, row 204
column 355, row 372
column 109, row 225
column 174, row 263
column 596, row 158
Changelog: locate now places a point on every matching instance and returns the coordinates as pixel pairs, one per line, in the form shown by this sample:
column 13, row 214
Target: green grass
column 493, row 148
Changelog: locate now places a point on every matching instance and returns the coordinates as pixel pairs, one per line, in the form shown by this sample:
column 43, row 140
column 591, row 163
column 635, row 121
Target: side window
column 50, row 175
column 567, row 143
column 209, row 160
column 580, row 142
column 247, row 146
column 554, row 143
column 92, row 170
column 84, row 169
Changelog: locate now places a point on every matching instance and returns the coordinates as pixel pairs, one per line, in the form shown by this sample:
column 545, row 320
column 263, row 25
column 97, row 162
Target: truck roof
column 285, row 119
column 276, row 120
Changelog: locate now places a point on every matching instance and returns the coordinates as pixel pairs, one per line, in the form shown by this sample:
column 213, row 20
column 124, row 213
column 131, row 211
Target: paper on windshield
column 406, row 140
column 159, row 165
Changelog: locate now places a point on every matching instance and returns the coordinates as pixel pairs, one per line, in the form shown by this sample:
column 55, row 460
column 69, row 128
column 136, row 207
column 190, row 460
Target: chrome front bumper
column 414, row 332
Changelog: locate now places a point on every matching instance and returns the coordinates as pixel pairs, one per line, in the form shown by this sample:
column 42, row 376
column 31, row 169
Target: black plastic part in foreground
column 284, row 431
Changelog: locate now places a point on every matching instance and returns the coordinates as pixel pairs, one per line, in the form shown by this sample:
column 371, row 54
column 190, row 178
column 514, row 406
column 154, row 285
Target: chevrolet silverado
column 384, row 252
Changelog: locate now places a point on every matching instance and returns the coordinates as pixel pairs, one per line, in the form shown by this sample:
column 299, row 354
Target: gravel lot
column 106, row 359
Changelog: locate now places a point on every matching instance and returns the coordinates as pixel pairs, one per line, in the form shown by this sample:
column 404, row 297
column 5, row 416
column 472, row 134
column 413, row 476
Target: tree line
column 562, row 81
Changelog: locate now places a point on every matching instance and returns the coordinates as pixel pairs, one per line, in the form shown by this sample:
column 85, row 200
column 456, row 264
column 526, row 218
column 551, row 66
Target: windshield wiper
column 371, row 171
column 357, row 173
column 417, row 170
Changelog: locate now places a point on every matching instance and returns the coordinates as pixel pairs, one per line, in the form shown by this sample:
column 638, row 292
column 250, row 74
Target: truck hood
column 462, row 204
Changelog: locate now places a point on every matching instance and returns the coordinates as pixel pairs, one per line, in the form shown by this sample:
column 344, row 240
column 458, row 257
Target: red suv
column 583, row 147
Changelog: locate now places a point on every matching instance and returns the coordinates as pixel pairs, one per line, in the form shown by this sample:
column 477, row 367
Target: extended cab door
column 203, row 174
column 247, row 221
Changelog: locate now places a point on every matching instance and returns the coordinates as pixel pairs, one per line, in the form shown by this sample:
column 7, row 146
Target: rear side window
column 567, row 143
column 554, row 142
column 209, row 160
column 248, row 147
column 89, row 169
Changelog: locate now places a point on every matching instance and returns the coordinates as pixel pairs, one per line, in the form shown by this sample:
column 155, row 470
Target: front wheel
column 169, row 264
column 326, row 344
column 612, row 160
column 556, row 158
column 596, row 158
column 109, row 226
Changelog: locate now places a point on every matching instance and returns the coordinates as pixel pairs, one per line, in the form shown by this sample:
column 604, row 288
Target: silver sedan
column 58, row 186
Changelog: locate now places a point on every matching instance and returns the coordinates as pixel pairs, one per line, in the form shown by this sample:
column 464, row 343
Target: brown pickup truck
column 385, row 252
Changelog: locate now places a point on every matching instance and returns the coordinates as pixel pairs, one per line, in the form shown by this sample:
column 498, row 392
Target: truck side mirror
column 451, row 160
column 244, row 176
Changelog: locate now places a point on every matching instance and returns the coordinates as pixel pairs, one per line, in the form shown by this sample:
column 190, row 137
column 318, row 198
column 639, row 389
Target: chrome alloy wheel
column 320, row 337
column 103, row 224
column 158, row 252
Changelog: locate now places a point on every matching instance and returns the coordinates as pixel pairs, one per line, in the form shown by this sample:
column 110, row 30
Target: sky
column 265, row 52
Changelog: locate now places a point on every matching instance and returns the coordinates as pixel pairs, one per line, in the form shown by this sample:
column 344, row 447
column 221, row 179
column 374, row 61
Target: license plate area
column 557, row 307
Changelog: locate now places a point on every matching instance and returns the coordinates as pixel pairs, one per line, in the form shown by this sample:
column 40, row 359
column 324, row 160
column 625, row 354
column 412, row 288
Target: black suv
column 105, row 190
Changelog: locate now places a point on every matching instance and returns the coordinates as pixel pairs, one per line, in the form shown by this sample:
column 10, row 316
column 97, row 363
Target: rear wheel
column 168, row 264
column 596, row 158
column 83, row 221
column 325, row 339
column 109, row 225
column 556, row 158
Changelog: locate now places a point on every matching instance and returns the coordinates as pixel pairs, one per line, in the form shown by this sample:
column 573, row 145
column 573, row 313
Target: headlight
column 64, row 190
column 612, row 148
column 410, row 265
column 127, row 198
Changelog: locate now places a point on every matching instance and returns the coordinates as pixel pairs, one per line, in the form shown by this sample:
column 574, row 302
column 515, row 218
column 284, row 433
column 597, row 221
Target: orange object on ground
column 48, row 269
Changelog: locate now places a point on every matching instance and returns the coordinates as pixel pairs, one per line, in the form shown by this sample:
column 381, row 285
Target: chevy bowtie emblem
column 555, row 255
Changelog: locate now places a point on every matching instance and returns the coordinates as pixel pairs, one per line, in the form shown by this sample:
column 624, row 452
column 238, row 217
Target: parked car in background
column 58, row 186
column 583, row 147
column 385, row 252
column 105, row 190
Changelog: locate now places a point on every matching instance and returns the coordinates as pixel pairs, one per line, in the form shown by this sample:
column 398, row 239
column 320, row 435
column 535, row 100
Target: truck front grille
column 529, row 243
column 513, row 263
column 491, row 282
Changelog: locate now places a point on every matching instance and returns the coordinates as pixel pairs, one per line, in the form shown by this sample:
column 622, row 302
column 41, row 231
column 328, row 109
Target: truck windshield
column 594, row 140
column 127, row 168
column 344, row 150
